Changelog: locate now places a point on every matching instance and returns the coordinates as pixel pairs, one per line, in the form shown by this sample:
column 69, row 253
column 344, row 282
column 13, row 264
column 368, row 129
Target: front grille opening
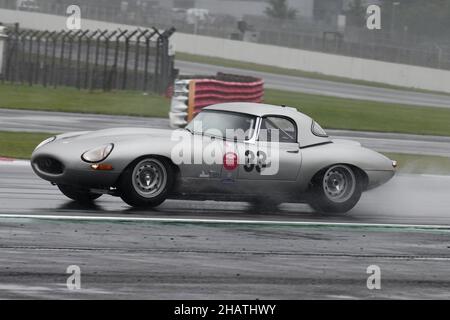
column 49, row 165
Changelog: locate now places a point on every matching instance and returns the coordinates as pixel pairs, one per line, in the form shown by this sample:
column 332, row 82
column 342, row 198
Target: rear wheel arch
column 360, row 172
column 329, row 198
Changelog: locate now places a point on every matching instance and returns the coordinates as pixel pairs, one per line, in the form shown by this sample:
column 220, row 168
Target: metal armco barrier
column 191, row 95
column 94, row 60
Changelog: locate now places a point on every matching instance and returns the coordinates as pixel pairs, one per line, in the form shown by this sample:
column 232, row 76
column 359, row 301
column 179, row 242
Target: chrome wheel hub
column 339, row 183
column 149, row 178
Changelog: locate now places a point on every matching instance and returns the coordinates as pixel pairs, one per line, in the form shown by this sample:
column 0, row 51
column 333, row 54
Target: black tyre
column 147, row 182
column 336, row 189
column 265, row 205
column 78, row 194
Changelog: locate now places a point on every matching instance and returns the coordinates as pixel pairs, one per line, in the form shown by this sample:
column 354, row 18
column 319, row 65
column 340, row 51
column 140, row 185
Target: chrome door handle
column 293, row 151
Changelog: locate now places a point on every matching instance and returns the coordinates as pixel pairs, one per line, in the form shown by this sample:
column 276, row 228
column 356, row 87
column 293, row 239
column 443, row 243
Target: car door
column 276, row 153
column 202, row 167
column 215, row 136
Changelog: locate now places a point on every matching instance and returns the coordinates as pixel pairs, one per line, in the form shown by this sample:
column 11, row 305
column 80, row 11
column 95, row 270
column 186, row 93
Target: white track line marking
column 226, row 221
column 14, row 163
column 435, row 176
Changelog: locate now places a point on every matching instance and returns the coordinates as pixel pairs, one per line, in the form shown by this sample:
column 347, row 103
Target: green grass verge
column 339, row 113
column 288, row 72
column 330, row 112
column 66, row 99
column 20, row 145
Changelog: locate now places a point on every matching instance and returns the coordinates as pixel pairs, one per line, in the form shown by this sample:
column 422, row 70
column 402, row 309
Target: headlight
column 98, row 154
column 48, row 140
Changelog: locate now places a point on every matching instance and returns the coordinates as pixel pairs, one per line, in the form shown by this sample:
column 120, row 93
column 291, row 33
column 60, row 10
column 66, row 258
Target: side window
column 277, row 128
column 317, row 130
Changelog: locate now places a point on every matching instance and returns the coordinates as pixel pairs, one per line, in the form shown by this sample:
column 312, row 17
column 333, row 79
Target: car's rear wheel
column 336, row 189
column 78, row 194
column 147, row 182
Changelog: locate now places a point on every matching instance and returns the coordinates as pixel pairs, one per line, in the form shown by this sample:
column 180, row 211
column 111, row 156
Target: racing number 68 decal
column 260, row 158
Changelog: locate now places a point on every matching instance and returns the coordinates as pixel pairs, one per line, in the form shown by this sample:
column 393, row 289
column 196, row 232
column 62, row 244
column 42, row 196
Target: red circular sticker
column 230, row 161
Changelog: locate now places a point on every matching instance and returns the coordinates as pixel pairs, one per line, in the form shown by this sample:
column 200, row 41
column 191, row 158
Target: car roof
column 257, row 109
column 304, row 122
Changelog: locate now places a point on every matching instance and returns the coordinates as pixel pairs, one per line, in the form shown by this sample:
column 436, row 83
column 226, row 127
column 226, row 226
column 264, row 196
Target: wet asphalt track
column 407, row 199
column 201, row 257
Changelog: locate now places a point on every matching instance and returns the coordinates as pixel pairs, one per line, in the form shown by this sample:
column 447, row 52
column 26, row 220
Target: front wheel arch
column 128, row 192
column 164, row 158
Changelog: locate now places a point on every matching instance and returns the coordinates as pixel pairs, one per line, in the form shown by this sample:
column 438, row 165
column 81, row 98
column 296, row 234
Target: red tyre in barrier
column 193, row 94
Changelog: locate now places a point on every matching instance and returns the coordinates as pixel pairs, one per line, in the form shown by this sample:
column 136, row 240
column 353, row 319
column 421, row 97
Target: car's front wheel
column 336, row 189
column 146, row 182
column 78, row 194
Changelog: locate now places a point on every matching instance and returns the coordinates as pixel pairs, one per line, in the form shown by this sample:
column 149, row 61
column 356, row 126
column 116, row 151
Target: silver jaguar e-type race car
column 233, row 151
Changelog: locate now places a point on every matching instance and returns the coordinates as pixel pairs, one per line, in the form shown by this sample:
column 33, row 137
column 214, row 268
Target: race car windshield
column 225, row 125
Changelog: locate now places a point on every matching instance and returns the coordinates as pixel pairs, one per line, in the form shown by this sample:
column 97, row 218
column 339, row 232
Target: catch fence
column 90, row 59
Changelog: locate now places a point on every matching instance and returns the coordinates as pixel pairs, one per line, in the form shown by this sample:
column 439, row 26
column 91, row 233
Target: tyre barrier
column 191, row 94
